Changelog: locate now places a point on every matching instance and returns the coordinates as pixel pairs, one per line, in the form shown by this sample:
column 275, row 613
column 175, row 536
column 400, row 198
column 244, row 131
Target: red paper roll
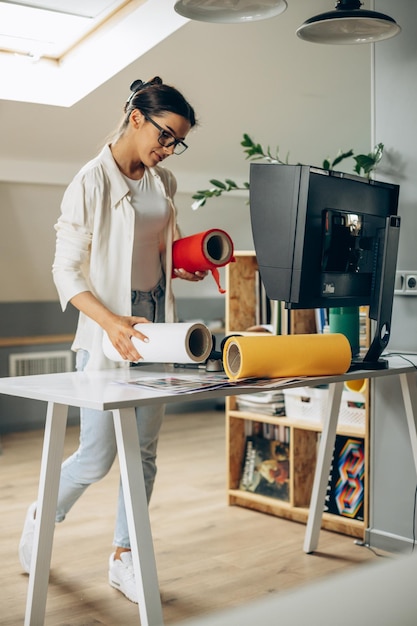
column 204, row 251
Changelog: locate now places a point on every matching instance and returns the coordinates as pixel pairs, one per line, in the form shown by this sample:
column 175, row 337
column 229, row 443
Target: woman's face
column 150, row 131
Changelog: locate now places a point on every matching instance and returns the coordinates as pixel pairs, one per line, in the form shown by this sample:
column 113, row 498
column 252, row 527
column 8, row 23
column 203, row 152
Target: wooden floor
column 209, row 556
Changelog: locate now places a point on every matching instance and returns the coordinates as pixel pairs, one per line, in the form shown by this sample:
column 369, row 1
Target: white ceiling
column 256, row 77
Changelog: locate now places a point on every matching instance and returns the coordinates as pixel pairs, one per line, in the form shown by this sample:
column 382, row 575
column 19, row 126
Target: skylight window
column 58, row 51
column 49, row 29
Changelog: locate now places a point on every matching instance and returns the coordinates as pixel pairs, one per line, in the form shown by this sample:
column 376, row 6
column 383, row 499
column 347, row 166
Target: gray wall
column 393, row 475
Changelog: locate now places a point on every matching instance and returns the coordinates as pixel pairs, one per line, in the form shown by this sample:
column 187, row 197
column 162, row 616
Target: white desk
column 98, row 390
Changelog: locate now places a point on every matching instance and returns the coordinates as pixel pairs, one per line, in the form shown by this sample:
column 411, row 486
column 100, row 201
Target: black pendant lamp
column 348, row 24
column 230, row 11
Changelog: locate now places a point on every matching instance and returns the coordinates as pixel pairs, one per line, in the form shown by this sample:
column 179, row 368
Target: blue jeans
column 97, row 448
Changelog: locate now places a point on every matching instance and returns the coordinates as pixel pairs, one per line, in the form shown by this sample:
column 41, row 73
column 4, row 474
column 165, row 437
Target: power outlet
column 410, row 283
column 406, row 283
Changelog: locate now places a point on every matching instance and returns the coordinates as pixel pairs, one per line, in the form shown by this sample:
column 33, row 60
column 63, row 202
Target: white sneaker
column 122, row 576
column 26, row 540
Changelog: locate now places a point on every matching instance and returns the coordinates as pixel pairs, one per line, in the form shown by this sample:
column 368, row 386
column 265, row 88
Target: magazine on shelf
column 274, row 409
column 265, row 397
column 265, row 468
column 270, row 402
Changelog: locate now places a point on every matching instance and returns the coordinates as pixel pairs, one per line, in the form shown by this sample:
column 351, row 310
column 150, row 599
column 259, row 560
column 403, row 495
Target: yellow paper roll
column 356, row 385
column 282, row 356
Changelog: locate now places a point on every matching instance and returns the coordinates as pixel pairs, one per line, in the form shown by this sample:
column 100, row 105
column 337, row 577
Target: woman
column 113, row 262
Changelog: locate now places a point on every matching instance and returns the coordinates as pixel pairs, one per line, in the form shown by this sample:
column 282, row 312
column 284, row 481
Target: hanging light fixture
column 348, row 23
column 230, row 11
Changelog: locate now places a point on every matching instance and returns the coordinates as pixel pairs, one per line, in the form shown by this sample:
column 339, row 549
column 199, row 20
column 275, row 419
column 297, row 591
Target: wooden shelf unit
column 240, row 314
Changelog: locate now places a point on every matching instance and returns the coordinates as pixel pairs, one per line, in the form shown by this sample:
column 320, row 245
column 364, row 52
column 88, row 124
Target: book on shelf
column 263, row 310
column 345, row 489
column 258, row 321
column 285, row 315
column 268, row 313
column 322, row 322
column 265, row 468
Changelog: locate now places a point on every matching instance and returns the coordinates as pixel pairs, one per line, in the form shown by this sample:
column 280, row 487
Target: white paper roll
column 178, row 342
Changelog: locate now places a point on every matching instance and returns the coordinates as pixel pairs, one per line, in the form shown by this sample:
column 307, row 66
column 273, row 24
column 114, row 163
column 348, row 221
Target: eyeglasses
column 167, row 140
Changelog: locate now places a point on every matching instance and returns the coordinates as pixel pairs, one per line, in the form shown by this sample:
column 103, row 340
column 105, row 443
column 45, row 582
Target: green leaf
column 217, row 183
column 368, row 162
column 231, row 183
column 247, row 141
column 341, row 157
column 365, row 162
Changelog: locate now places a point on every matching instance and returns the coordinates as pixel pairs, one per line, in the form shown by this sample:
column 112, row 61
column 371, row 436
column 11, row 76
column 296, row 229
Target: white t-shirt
column 151, row 217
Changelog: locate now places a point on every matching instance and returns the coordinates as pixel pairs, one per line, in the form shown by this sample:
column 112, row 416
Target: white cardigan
column 94, row 245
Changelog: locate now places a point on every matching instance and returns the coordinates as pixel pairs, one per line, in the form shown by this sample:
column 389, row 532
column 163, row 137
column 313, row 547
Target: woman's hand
column 197, row 276
column 118, row 327
column 120, row 332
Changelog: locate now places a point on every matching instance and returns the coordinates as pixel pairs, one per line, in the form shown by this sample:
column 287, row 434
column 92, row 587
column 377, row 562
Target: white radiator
column 48, row 362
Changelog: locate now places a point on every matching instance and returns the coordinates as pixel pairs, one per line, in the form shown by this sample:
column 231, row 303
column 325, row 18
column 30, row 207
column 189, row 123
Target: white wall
column 311, row 100
column 395, row 117
column 27, row 238
column 392, row 472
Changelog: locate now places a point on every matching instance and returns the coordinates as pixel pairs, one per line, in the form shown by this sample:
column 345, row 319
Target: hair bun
column 136, row 85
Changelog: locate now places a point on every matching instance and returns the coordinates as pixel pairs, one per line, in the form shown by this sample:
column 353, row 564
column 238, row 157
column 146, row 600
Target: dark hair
column 156, row 98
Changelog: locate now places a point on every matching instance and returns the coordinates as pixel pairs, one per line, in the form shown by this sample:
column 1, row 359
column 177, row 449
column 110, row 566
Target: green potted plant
column 365, row 164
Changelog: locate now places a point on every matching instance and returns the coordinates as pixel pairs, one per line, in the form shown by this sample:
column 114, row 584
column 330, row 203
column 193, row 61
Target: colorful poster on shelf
column 345, row 491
